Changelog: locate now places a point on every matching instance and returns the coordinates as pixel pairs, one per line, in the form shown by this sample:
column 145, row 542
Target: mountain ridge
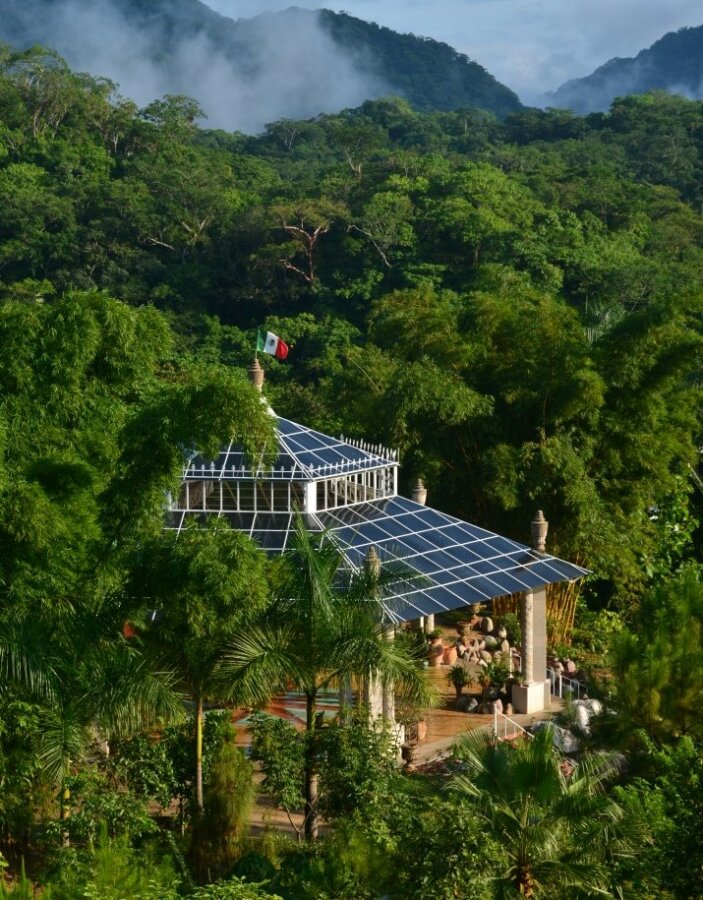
column 246, row 72
column 673, row 63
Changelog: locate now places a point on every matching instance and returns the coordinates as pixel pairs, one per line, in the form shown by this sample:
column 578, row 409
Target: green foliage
column 557, row 832
column 99, row 805
column 659, row 662
column 511, row 623
column 459, row 676
column 280, row 749
column 114, row 870
column 358, row 766
column 219, row 833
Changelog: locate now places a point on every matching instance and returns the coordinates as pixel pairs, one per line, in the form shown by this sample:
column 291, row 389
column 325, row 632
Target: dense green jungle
column 516, row 307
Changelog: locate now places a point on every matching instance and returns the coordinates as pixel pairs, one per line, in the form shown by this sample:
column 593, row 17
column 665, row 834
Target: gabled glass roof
column 450, row 563
column 304, row 455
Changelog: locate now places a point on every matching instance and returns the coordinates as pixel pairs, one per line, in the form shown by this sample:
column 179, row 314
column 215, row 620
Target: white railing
column 562, row 685
column 505, row 728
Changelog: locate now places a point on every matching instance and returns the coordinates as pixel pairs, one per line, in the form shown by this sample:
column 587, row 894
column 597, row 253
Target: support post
column 531, row 695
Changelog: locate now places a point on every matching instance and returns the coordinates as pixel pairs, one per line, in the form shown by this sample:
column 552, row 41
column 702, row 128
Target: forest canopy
column 514, row 305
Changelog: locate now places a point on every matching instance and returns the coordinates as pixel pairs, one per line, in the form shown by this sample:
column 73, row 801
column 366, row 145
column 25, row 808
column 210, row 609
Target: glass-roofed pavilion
column 349, row 489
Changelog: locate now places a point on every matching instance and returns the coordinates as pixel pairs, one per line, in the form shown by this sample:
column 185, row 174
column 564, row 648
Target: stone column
column 376, row 694
column 527, row 626
column 419, row 495
column 531, row 695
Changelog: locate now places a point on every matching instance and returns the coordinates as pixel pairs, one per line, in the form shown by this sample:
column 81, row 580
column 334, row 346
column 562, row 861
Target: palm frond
column 260, row 662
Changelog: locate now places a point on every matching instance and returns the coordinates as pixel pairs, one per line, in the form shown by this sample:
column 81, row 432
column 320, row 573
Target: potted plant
column 494, row 675
column 460, row 677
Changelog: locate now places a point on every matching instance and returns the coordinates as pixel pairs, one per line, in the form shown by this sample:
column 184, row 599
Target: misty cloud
column 276, row 67
column 532, row 46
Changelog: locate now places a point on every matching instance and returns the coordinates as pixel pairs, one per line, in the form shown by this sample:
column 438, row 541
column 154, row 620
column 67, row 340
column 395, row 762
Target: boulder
column 486, row 625
column 498, row 705
column 501, row 633
column 471, row 705
column 486, row 656
column 570, row 666
column 505, row 647
column 490, row 642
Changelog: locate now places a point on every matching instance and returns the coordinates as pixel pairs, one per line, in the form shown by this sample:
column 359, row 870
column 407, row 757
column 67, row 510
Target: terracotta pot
column 436, row 652
column 450, row 655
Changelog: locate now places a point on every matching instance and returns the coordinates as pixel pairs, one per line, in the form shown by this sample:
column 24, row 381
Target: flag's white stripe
column 271, row 343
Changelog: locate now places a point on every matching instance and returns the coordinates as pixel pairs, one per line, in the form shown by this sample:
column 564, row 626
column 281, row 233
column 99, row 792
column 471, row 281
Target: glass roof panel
column 302, row 452
column 461, row 563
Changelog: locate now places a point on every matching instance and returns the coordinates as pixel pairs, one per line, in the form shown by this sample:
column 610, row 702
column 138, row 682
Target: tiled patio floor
column 444, row 724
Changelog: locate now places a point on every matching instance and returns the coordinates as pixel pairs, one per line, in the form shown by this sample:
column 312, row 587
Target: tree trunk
column 198, row 754
column 525, row 882
column 311, row 827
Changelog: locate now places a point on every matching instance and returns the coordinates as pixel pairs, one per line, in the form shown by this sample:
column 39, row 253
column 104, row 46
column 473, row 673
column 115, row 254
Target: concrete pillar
column 376, row 694
column 527, row 625
column 532, row 695
column 389, row 689
column 419, row 495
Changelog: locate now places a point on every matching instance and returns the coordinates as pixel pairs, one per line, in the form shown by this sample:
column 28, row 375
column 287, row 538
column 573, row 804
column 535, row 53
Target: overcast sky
column 531, row 45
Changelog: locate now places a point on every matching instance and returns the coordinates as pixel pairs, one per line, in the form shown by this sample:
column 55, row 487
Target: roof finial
column 540, row 526
column 372, row 562
column 419, row 493
column 256, row 374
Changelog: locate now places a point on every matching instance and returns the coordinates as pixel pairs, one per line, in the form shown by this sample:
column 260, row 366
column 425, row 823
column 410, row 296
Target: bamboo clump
column 562, row 599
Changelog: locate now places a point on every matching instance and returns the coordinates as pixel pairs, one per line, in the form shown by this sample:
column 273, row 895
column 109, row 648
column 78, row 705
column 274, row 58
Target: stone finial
column 372, row 561
column 419, row 493
column 540, row 526
column 256, row 374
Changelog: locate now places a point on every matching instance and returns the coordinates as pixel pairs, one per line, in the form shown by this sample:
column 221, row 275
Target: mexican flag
column 271, row 343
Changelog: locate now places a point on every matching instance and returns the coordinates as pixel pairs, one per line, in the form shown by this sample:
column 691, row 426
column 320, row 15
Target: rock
column 481, row 644
column 508, row 709
column 505, row 647
column 498, row 705
column 490, row 642
column 582, row 715
column 462, row 702
column 595, row 706
column 501, row 633
column 486, row 625
column 570, row 666
column 558, row 668
column 472, row 704
column 486, row 656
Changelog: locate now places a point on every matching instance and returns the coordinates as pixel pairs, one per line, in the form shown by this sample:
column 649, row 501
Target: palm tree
column 557, row 830
column 324, row 628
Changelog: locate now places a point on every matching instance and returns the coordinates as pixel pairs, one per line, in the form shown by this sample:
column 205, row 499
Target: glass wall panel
column 229, row 495
column 212, row 495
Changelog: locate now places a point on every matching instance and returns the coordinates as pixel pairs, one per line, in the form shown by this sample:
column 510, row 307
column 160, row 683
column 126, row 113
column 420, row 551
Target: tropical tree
column 203, row 585
column 659, row 660
column 557, row 830
column 324, row 628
